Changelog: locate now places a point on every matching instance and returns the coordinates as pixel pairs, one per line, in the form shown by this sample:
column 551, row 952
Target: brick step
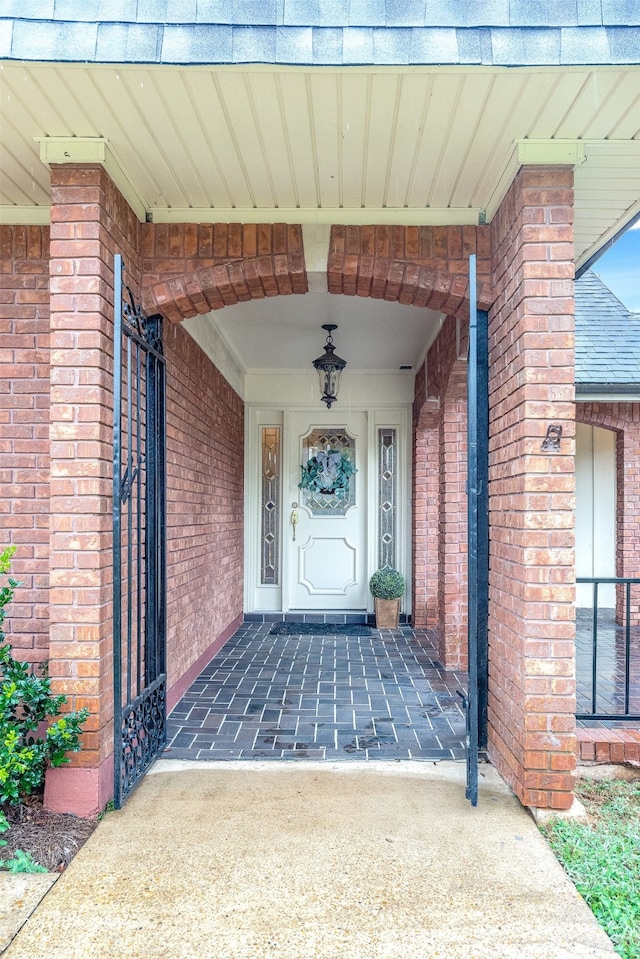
column 317, row 616
column 609, row 745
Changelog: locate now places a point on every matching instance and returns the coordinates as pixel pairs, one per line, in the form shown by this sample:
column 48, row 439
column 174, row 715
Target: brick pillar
column 89, row 222
column 424, row 552
column 447, row 385
column 531, row 374
column 452, row 573
column 425, row 527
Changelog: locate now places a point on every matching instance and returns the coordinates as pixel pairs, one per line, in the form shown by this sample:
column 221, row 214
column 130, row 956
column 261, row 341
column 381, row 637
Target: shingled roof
column 323, row 32
column 607, row 340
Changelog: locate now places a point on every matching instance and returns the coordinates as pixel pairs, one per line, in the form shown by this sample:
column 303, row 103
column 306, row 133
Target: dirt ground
column 53, row 839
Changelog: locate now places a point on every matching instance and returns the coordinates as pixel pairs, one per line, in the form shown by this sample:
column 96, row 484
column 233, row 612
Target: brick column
column 424, row 546
column 444, row 497
column 531, row 374
column 452, row 579
column 89, row 222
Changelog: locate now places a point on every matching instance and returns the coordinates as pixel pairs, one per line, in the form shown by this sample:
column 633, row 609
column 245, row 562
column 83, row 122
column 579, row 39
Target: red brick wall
column 205, row 457
column 440, row 504
column 531, row 613
column 24, row 431
column 453, row 551
column 425, row 497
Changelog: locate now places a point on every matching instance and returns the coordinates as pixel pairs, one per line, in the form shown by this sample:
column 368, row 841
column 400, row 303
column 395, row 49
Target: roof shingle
column 607, row 340
column 499, row 32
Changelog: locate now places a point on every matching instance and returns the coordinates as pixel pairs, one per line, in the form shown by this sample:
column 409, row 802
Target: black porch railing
column 608, row 651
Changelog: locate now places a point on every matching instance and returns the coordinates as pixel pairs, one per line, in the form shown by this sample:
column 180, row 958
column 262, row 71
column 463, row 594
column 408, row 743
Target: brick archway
column 424, row 266
column 193, row 269
column 190, row 269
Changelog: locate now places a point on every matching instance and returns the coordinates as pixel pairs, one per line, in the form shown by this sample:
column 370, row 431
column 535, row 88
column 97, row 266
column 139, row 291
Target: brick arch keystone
column 423, row 266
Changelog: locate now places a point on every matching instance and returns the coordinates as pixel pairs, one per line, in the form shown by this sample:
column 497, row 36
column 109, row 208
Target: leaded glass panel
column 387, row 497
column 338, row 501
column 270, row 507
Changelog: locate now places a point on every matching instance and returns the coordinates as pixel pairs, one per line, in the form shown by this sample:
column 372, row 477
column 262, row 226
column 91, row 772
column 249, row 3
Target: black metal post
column 477, row 532
column 117, row 525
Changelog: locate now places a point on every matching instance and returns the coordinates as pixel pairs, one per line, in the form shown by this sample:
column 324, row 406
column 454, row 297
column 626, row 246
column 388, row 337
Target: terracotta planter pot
column 387, row 613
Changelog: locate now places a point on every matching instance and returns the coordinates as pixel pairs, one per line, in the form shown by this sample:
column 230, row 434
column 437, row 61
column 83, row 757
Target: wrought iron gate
column 475, row 699
column 138, row 539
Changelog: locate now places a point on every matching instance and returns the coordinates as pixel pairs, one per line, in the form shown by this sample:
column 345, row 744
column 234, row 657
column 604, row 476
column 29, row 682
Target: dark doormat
column 320, row 629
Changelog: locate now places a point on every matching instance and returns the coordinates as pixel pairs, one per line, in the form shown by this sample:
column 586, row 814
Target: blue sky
column 619, row 268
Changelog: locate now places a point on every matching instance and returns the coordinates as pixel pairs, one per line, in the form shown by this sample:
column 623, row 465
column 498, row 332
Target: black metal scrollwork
column 148, row 328
column 143, row 734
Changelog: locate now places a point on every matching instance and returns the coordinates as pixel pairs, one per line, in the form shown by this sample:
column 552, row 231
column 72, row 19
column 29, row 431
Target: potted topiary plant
column 387, row 586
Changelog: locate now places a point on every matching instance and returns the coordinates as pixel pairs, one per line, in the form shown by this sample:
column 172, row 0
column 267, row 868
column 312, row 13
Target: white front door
column 325, row 554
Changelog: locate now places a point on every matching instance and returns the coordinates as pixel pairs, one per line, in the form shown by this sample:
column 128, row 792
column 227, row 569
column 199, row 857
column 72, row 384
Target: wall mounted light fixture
column 551, row 442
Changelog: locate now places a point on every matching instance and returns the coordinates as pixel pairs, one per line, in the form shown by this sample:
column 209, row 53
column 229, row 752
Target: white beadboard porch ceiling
column 384, row 144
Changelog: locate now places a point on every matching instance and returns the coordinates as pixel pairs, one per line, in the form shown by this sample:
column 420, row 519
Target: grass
column 602, row 857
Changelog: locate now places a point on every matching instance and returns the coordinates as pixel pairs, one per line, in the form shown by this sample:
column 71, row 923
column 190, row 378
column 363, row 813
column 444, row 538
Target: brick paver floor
column 611, row 669
column 383, row 696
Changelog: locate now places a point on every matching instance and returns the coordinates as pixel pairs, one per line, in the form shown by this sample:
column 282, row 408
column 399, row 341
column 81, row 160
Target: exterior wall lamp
column 329, row 368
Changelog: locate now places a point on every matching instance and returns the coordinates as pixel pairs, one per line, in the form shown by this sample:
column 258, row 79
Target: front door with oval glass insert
column 326, row 529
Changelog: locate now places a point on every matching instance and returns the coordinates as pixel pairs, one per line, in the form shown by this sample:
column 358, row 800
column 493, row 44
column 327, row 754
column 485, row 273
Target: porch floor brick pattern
column 383, row 696
column 611, row 669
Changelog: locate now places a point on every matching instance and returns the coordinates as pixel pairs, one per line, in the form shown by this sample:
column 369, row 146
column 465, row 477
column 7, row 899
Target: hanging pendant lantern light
column 329, row 368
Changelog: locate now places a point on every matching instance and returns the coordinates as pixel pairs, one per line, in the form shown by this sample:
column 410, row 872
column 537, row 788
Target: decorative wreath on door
column 327, row 472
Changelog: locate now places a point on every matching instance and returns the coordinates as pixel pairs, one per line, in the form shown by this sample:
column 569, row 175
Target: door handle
column 293, row 519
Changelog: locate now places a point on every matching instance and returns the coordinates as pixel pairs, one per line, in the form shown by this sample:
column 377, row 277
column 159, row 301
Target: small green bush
column 4, row 826
column 22, row 861
column 387, row 583
column 28, row 741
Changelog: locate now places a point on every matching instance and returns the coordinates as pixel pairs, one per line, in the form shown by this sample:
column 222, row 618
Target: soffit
column 413, row 145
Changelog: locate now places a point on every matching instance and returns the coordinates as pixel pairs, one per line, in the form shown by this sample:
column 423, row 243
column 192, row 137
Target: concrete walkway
column 313, row 861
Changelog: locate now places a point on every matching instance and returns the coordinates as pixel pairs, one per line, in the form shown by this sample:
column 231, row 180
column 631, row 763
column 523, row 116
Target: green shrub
column 387, row 583
column 22, row 861
column 28, row 741
column 4, row 826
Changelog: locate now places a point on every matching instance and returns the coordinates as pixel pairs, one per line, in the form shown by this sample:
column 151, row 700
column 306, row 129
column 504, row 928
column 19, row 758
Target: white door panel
column 328, row 565
column 325, row 564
